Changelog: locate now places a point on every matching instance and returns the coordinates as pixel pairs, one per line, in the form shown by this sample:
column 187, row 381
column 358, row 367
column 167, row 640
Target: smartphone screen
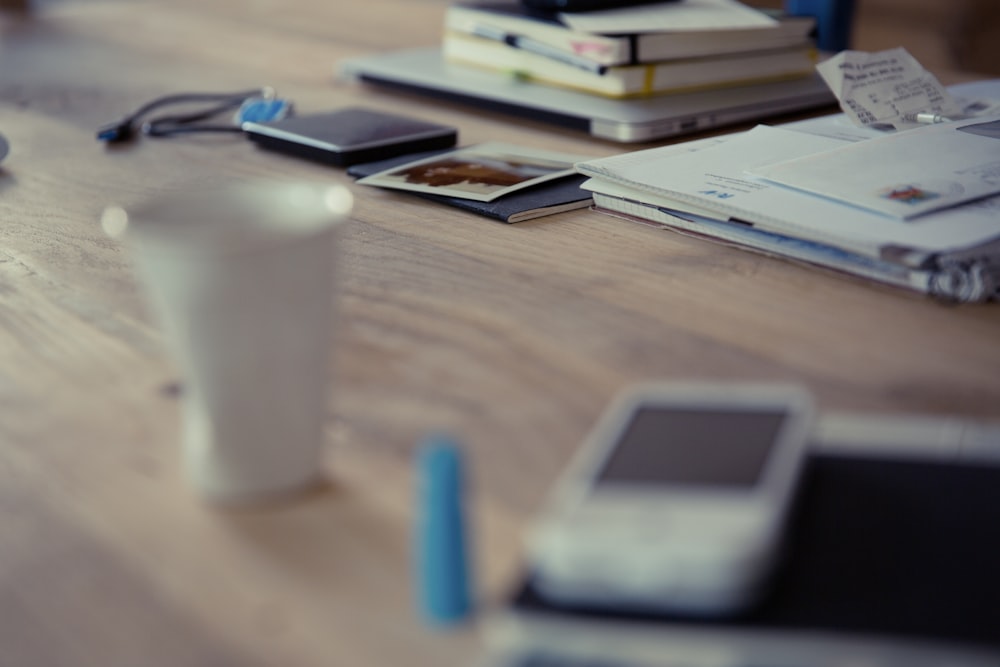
column 710, row 447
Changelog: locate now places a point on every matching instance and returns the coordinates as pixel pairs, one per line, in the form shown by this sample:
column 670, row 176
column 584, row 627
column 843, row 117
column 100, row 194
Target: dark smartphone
column 353, row 135
column 584, row 5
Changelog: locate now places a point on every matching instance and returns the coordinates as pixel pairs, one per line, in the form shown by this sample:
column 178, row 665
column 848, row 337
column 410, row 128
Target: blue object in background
column 833, row 21
column 441, row 550
column 263, row 110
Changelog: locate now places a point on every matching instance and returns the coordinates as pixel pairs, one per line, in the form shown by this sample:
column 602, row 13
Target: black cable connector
column 118, row 131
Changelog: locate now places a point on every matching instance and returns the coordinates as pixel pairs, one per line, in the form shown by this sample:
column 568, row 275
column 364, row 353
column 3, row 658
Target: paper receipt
column 886, row 87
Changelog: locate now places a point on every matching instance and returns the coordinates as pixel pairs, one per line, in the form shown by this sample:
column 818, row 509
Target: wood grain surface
column 510, row 337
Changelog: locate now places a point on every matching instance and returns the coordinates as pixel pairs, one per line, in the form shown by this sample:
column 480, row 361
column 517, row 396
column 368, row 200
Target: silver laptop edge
column 628, row 121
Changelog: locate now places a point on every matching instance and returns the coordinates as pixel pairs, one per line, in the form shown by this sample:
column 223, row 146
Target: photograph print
column 482, row 173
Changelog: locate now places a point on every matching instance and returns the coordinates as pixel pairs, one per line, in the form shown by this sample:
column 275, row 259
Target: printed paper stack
column 652, row 49
column 918, row 209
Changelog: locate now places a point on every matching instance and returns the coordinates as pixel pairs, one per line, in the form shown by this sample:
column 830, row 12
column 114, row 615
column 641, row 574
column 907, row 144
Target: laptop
column 424, row 71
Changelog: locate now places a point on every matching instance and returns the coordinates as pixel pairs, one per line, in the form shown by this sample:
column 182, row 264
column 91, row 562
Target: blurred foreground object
column 442, row 564
column 242, row 280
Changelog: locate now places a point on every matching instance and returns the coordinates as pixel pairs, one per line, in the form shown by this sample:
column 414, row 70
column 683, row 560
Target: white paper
column 625, row 200
column 887, row 87
column 681, row 15
column 715, row 179
column 903, row 174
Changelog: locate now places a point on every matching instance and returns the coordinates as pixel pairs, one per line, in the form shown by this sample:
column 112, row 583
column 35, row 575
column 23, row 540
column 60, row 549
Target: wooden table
column 511, row 337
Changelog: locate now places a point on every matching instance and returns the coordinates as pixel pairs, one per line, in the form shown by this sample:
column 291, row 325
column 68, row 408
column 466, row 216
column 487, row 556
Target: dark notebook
column 905, row 553
column 556, row 196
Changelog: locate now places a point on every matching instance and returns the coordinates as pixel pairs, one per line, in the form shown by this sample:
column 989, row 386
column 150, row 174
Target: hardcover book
column 671, row 76
column 509, row 20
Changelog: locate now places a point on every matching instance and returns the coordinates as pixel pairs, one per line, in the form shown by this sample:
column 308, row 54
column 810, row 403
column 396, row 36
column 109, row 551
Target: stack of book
column 662, row 48
column 909, row 209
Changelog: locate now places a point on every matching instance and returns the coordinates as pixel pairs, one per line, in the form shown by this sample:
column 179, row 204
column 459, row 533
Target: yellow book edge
column 647, row 89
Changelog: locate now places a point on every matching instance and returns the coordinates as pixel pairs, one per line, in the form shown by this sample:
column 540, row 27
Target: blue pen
column 441, row 549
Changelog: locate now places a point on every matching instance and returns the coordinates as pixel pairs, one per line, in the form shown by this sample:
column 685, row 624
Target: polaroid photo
column 483, row 172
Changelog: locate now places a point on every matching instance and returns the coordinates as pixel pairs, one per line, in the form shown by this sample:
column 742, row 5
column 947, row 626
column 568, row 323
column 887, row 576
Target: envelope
column 904, row 174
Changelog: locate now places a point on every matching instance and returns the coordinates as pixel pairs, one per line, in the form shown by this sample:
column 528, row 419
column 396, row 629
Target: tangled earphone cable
column 259, row 105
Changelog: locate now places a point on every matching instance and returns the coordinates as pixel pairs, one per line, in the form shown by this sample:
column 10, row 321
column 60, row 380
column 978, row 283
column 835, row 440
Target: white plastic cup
column 242, row 280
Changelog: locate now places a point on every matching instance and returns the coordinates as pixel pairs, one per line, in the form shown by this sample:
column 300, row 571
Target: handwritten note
column 886, row 88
